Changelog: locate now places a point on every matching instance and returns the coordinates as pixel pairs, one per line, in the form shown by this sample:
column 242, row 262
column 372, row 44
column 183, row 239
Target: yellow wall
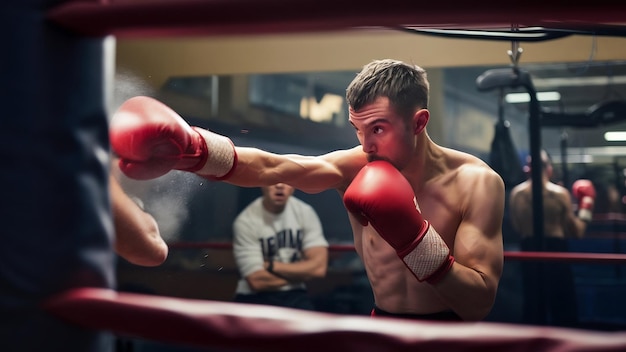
column 156, row 59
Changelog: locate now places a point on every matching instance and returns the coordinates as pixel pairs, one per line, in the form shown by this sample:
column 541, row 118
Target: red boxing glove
column 385, row 198
column 584, row 191
column 151, row 139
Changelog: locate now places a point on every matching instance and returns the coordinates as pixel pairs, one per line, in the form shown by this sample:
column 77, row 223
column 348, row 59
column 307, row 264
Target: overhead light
column 575, row 159
column 579, row 81
column 615, row 136
column 514, row 98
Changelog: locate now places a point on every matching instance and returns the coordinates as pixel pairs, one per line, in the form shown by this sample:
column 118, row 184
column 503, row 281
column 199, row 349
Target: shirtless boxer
column 443, row 262
column 560, row 220
column 551, row 282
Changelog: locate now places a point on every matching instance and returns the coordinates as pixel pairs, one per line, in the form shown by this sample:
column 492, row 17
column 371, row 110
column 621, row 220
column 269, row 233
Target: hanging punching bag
column 503, row 157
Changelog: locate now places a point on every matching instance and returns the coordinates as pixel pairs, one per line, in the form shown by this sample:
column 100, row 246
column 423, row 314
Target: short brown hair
column 406, row 86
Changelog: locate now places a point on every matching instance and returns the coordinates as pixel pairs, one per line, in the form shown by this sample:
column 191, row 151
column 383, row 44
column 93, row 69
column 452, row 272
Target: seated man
column 278, row 244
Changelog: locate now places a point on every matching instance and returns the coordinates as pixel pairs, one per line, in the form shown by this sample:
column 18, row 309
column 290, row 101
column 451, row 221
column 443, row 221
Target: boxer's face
column 383, row 134
column 275, row 197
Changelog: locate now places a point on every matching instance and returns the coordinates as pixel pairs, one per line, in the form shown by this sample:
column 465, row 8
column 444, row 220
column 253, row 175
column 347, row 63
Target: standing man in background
column 278, row 245
column 560, row 223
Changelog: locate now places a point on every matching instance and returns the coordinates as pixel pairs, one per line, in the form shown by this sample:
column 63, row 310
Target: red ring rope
column 191, row 17
column 235, row 326
column 597, row 258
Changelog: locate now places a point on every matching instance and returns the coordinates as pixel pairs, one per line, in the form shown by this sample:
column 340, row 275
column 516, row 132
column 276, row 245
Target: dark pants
column 290, row 299
column 441, row 316
column 549, row 288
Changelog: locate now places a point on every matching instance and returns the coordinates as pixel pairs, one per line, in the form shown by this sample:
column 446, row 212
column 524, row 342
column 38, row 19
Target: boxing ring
column 58, row 269
column 230, row 326
column 233, row 326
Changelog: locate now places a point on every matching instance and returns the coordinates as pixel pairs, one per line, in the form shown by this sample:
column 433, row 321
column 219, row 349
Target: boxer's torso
column 555, row 210
column 442, row 201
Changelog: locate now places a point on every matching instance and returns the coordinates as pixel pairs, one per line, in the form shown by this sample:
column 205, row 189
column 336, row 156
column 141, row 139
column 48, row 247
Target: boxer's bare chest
column 441, row 203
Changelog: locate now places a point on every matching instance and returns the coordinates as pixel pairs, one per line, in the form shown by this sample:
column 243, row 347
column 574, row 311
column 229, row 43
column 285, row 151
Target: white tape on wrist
column 428, row 256
column 221, row 157
column 585, row 213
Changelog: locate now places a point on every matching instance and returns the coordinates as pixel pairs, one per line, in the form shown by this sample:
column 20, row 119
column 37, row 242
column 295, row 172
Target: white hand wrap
column 428, row 256
column 585, row 212
column 221, row 159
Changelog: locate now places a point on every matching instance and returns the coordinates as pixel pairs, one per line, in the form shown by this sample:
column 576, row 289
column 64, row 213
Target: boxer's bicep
column 478, row 244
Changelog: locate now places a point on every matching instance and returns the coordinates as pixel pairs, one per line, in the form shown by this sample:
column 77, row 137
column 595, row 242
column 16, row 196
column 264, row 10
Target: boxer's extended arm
column 151, row 139
column 137, row 236
column 471, row 285
column 311, row 174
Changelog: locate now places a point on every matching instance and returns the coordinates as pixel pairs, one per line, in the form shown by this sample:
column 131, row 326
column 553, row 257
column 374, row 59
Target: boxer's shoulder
column 456, row 167
column 348, row 162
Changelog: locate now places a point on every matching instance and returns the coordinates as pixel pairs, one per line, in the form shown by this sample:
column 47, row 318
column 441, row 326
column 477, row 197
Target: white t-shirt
column 259, row 235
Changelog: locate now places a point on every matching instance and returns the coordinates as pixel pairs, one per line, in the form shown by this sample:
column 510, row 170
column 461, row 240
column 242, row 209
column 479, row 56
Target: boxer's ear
column 420, row 120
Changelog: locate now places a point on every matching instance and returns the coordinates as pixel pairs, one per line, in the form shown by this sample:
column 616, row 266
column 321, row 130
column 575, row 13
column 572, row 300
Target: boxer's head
column 388, row 103
column 546, row 164
column 405, row 85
